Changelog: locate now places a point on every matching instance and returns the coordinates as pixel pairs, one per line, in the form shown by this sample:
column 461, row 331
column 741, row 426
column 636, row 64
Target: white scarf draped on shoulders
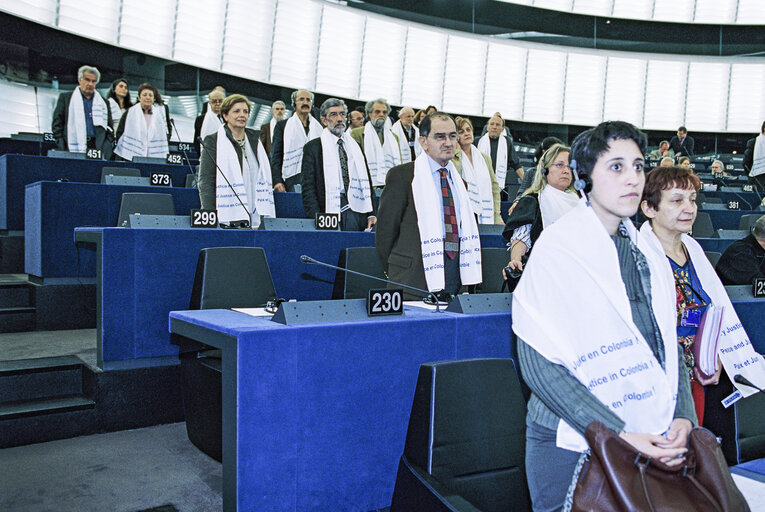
column 251, row 181
column 571, row 306
column 294, row 140
column 478, row 179
column 380, row 157
column 138, row 140
column 427, row 198
column 359, row 193
column 554, row 204
column 734, row 347
column 403, row 142
column 484, row 145
column 76, row 130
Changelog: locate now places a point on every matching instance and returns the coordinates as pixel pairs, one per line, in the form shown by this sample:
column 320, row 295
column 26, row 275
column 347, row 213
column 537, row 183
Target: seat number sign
column 385, row 301
column 204, row 218
column 161, row 179
column 328, row 221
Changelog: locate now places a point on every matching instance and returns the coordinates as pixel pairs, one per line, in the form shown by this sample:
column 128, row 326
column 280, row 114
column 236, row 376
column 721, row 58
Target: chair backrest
column 360, row 259
column 702, row 227
column 119, row 171
column 60, row 153
column 750, row 427
column 191, row 180
column 467, row 429
column 287, row 224
column 747, row 221
column 713, row 257
column 231, row 277
column 145, row 203
column 493, row 260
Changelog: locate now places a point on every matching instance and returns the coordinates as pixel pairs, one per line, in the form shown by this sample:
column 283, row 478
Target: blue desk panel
column 317, row 418
column 18, row 171
column 715, row 244
column 54, row 209
column 143, row 274
column 728, row 219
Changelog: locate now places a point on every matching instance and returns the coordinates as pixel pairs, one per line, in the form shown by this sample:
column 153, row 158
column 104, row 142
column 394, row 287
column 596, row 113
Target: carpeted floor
column 127, row 471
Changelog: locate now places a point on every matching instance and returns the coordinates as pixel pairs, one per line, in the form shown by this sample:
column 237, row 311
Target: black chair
column 702, row 227
column 747, row 221
column 226, row 277
column 360, row 259
column 119, row 171
column 750, row 427
column 713, row 257
column 191, row 180
column 144, row 203
column 493, row 260
column 466, row 441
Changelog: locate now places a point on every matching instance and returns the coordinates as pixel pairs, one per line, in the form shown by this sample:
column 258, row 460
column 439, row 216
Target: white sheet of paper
column 252, row 311
column 753, row 491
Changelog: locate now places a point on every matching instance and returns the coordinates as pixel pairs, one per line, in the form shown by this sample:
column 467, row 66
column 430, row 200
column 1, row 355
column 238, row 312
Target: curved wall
column 333, row 49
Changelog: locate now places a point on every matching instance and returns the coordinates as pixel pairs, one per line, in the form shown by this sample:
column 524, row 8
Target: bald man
column 408, row 135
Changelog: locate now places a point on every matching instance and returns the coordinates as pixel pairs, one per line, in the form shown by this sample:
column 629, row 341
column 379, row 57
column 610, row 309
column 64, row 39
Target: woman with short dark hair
column 234, row 173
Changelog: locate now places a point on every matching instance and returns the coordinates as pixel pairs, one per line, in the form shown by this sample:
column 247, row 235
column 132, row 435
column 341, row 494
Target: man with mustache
column 380, row 145
column 278, row 112
column 335, row 178
column 289, row 137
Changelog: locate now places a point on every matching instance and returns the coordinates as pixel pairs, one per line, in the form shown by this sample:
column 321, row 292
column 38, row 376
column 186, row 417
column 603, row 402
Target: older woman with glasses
column 550, row 196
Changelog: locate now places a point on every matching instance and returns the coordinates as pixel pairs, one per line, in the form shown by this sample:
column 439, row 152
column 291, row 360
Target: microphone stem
column 430, row 294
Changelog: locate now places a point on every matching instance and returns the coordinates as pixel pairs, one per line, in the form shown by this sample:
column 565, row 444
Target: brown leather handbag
column 618, row 477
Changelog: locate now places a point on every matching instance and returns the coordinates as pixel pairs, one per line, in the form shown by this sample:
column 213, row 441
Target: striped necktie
column 451, row 232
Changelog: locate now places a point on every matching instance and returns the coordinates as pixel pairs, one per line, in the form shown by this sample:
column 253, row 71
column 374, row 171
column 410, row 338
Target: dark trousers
column 290, row 182
column 353, row 221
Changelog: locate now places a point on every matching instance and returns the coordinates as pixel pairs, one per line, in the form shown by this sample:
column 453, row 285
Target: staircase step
column 40, row 406
column 32, row 379
column 17, row 319
column 13, row 294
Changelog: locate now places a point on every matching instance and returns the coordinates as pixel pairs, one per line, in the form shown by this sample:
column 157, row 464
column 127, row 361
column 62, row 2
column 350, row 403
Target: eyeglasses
column 441, row 137
column 560, row 166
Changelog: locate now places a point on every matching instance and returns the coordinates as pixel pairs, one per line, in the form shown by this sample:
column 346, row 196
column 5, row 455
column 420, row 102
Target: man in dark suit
column 682, row 143
column 91, row 129
column 346, row 170
column 399, row 223
column 278, row 110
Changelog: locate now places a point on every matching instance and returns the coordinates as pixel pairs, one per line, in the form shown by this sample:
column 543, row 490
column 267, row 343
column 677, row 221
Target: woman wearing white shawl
column 234, row 173
column 478, row 175
column 669, row 202
column 144, row 128
column 550, row 196
column 119, row 101
column 594, row 317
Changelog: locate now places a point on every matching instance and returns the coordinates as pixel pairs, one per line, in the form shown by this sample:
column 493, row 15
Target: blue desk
column 715, row 244
column 24, row 147
column 728, row 219
column 54, row 209
column 143, row 274
column 18, row 171
column 315, row 416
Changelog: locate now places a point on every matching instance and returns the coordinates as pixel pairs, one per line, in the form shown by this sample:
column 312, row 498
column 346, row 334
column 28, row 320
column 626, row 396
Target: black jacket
column 312, row 176
column 741, row 262
column 208, row 171
column 59, row 123
column 686, row 148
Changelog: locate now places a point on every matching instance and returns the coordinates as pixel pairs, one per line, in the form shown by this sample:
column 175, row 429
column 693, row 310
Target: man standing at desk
column 682, row 143
column 334, row 175
column 81, row 119
column 288, row 138
column 426, row 235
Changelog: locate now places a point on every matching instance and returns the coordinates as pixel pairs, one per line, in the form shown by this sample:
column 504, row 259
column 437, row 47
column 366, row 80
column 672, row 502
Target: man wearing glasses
column 209, row 122
column 426, row 234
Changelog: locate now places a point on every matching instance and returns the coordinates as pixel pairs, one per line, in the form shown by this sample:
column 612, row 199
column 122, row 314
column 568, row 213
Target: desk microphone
column 188, row 162
column 243, row 224
column 721, row 183
column 431, row 296
column 743, row 380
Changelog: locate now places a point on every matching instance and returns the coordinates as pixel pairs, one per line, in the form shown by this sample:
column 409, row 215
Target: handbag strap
column 641, row 461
